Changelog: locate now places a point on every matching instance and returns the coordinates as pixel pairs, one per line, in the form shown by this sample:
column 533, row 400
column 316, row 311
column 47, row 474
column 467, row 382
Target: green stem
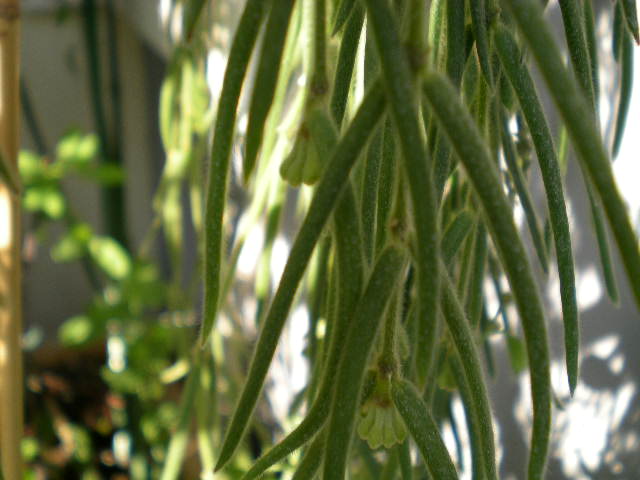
column 319, row 79
column 399, row 88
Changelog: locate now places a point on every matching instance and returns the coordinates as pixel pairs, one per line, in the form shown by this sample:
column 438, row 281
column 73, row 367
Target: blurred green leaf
column 76, row 331
column 143, row 288
column 73, row 245
column 29, row 448
column 130, row 381
column 110, row 256
column 201, row 113
column 47, row 199
column 82, row 443
column 77, row 148
column 32, row 168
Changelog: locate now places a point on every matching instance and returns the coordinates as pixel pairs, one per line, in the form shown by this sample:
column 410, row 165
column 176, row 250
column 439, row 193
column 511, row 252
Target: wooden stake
column 10, row 241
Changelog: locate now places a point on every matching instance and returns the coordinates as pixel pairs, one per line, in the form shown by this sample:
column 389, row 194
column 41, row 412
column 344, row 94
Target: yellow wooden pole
column 10, row 240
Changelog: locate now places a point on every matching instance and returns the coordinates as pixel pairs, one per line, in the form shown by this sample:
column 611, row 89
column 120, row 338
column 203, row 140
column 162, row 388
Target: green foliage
column 450, row 177
column 405, row 209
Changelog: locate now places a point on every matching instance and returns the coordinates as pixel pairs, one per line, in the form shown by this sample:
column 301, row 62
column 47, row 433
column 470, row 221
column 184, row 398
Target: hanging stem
column 318, row 34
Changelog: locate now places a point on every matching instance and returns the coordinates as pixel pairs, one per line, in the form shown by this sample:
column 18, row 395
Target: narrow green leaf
column 350, row 375
column 370, row 193
column 549, row 166
column 241, row 48
column 478, row 9
column 437, row 12
column 582, row 130
column 618, row 31
column 476, row 278
column 311, row 460
column 350, row 278
column 455, row 234
column 325, row 197
column 423, row 429
column 471, row 415
column 602, row 239
column 572, row 18
column 345, row 64
column 626, row 87
column 265, row 82
column 631, row 17
column 464, row 343
column 592, row 47
column 481, row 169
column 523, row 193
column 386, row 184
column 455, row 40
column 341, row 14
column 455, row 58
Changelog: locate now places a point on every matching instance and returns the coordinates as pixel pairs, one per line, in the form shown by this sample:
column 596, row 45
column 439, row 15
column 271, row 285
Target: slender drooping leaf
column 552, row 178
column 481, row 169
column 311, row 460
column 476, row 278
column 342, row 14
column 592, row 46
column 266, row 78
column 631, row 17
column 582, row 130
column 626, row 86
column 350, row 275
column 523, row 193
column 423, row 429
column 460, row 330
column 324, row 199
column 574, row 31
column 455, row 234
column 241, row 48
column 478, row 9
column 345, row 64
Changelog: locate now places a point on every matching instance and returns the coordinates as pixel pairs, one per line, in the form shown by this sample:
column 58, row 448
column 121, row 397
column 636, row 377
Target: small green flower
column 302, row 165
column 380, row 423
